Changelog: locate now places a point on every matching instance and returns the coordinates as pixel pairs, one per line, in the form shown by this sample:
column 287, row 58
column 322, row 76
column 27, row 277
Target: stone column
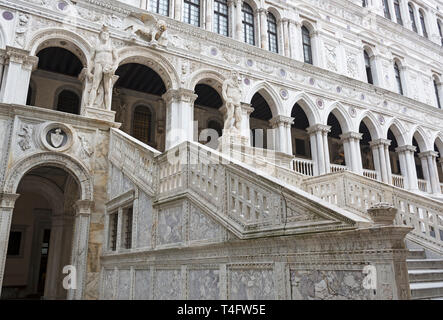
column 209, row 13
column 179, row 116
column 351, row 145
column 238, row 21
column 392, row 11
column 407, row 166
column 295, row 40
column 7, row 202
column 318, row 135
column 407, row 23
column 286, row 50
column 262, row 14
column 282, row 127
column 381, row 159
column 178, row 9
column 79, row 255
column 430, row 172
column 245, row 121
column 16, row 75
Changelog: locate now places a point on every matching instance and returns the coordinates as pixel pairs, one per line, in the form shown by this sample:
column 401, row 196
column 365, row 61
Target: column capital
column 425, row 154
column 262, row 11
column 183, row 95
column 377, row 142
column 405, row 148
column 7, row 200
column 21, row 56
column 318, row 127
column 247, row 107
column 351, row 135
column 279, row 119
column 84, row 207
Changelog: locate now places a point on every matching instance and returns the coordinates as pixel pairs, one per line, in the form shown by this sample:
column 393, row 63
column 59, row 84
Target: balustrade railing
column 337, row 167
column 422, row 185
column 303, row 166
column 372, row 174
column 398, row 181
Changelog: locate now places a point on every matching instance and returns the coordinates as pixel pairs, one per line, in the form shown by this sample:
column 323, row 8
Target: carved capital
column 281, row 120
column 318, row 127
column 7, row 200
column 377, row 142
column 429, row 153
column 405, row 148
column 351, row 135
column 383, row 213
column 246, row 107
column 84, row 207
column 20, row 56
column 179, row 95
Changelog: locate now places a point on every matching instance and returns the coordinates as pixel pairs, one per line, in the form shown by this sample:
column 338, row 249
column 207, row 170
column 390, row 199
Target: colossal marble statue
column 232, row 94
column 101, row 72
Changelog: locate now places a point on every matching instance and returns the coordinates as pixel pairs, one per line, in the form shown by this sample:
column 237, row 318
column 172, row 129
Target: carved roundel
column 57, row 136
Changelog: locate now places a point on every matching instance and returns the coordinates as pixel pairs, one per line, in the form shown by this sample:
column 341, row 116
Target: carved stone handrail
column 357, row 193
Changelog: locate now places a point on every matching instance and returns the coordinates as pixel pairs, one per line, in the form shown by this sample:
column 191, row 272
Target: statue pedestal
column 232, row 144
column 99, row 114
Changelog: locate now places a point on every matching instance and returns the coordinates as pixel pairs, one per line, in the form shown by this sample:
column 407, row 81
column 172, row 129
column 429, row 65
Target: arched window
column 141, row 124
column 159, row 6
column 422, row 22
column 386, row 9
column 368, row 67
column 272, row 33
column 398, row 78
column 307, row 47
column 440, row 30
column 248, row 24
column 192, row 12
column 69, row 102
column 221, row 17
column 437, row 94
column 398, row 12
column 412, row 17
column 364, row 3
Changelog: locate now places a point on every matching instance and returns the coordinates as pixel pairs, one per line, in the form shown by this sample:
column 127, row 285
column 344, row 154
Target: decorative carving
column 21, row 30
column 145, row 26
column 331, row 58
column 86, row 149
column 351, row 64
column 252, row 284
column 25, row 137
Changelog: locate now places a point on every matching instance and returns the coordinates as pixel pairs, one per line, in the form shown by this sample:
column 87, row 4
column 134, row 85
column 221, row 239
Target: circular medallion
column 62, row 5
column 7, row 15
column 320, row 103
column 249, row 63
column 311, row 81
column 283, row 72
column 352, row 112
column 284, row 93
column 338, row 89
column 247, row 81
column 362, row 96
column 214, row 51
column 381, row 119
column 56, row 136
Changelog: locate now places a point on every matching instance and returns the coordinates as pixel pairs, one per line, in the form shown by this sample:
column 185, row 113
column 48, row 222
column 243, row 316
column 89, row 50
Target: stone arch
column 438, row 141
column 269, row 94
column 56, row 37
column 339, row 111
column 60, row 160
column 398, row 130
column 158, row 63
column 308, row 106
column 420, row 136
column 209, row 77
column 371, row 123
column 275, row 12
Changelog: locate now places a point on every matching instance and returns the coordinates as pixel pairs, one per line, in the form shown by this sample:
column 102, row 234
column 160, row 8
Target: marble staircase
column 425, row 276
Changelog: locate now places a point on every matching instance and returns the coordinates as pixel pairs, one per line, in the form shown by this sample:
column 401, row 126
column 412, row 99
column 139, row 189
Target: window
column 192, row 12
column 364, row 3
column 437, row 95
column 141, row 124
column 272, row 33
column 412, row 17
column 398, row 12
column 14, row 243
column 127, row 233
column 69, row 102
column 368, row 68
column 423, row 25
column 159, row 6
column 248, row 24
column 221, row 17
column 307, row 47
column 386, row 9
column 113, row 224
column 440, row 31
column 398, row 78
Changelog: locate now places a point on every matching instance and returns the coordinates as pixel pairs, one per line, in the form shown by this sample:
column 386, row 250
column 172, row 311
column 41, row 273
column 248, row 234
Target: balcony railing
column 338, row 168
column 398, row 181
column 422, row 185
column 303, row 166
column 371, row 174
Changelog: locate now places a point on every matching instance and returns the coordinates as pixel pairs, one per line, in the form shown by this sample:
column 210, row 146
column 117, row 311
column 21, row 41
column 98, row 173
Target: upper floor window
column 221, row 17
column 386, row 9
column 307, row 47
column 141, row 124
column 423, row 25
column 437, row 93
column 248, row 24
column 412, row 17
column 159, row 6
column 364, row 3
column 398, row 12
column 192, row 12
column 368, row 67
column 272, row 33
column 69, row 102
column 398, row 78
column 440, row 30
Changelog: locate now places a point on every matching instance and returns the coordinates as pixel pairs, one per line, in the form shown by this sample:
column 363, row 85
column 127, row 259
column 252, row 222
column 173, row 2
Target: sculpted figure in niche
column 232, row 94
column 101, row 72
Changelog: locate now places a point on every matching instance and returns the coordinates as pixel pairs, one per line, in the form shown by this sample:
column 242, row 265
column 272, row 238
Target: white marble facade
column 165, row 217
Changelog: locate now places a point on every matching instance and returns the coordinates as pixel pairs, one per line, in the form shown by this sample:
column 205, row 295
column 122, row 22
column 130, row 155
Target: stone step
column 416, row 254
column 425, row 275
column 414, row 264
column 426, row 290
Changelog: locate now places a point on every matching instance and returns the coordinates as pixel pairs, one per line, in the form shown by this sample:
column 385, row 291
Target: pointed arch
column 308, row 106
column 420, row 136
column 269, row 94
column 339, row 111
column 438, row 141
column 399, row 132
column 371, row 123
